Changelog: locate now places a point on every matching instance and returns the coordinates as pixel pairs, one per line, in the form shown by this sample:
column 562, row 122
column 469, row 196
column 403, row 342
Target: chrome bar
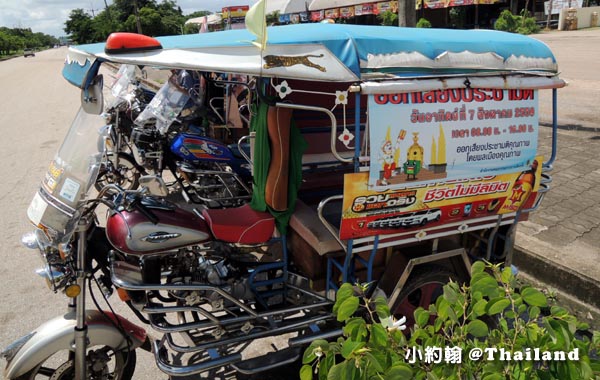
column 327, row 225
column 168, row 327
column 333, row 140
column 305, row 322
column 189, row 369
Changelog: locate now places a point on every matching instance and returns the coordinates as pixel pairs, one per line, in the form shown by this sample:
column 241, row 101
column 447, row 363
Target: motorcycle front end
column 82, row 343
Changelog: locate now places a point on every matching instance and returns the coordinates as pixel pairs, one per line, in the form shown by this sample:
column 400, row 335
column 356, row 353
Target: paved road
column 37, row 106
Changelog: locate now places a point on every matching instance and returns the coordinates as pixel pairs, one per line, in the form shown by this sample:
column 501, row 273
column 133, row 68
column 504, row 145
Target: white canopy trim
column 499, row 82
column 464, row 59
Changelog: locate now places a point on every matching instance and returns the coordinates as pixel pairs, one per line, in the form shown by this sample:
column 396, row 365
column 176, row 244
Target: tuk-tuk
column 382, row 155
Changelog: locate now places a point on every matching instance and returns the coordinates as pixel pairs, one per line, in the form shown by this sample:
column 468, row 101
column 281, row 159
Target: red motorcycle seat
column 241, row 225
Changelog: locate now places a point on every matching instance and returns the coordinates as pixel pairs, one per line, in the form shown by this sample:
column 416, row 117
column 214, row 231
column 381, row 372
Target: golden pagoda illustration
column 438, row 158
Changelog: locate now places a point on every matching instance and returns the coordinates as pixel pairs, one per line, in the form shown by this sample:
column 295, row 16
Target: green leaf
column 442, row 307
column 344, row 292
column 507, row 275
column 349, row 347
column 372, row 359
column 452, row 314
column 480, row 307
column 477, row 267
column 534, row 297
column 355, row 329
column 486, row 284
column 534, row 312
column 477, row 328
column 398, row 372
column 497, row 305
column 309, row 354
column 421, row 317
column 558, row 311
column 306, row 372
column 493, row 376
column 450, row 294
column 347, row 308
column 379, row 335
column 338, row 371
column 381, row 308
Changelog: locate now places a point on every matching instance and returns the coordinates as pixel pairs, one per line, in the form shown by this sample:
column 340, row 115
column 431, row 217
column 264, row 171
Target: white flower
column 346, row 137
column 341, row 97
column 391, row 323
column 318, row 352
column 283, row 89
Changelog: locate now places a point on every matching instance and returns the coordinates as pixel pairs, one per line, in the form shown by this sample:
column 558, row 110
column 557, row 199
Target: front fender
column 58, row 334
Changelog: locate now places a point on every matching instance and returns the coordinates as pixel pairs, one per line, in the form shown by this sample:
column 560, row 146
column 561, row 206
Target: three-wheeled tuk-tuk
column 270, row 176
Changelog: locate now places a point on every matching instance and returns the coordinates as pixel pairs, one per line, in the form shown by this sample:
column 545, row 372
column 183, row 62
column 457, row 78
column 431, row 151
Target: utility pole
column 407, row 13
column 137, row 16
column 92, row 9
column 108, row 13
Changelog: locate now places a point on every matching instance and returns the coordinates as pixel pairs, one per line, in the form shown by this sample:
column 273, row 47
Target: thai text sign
column 427, row 137
column 438, row 207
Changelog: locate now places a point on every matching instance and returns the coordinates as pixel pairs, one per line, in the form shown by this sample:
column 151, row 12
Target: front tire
column 103, row 363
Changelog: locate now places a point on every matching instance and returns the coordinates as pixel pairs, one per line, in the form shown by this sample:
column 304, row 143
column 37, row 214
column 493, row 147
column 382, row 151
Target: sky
column 49, row 16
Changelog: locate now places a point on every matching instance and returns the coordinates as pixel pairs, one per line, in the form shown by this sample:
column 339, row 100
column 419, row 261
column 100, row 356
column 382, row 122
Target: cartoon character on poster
column 389, row 155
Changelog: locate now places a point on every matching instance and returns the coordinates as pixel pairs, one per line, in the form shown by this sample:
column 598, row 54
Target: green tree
column 423, row 23
column 388, row 18
column 80, row 26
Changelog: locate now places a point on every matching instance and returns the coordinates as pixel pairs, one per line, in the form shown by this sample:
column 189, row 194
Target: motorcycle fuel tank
column 192, row 147
column 132, row 232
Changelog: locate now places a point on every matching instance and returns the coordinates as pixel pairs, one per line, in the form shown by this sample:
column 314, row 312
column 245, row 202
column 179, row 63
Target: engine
column 219, row 266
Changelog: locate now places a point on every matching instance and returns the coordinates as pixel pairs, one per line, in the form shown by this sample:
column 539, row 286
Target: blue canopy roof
column 359, row 49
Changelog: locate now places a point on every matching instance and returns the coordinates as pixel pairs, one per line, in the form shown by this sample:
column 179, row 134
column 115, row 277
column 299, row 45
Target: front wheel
column 103, row 363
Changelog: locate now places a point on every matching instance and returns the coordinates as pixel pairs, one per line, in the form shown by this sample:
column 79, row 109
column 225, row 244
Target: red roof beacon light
column 121, row 42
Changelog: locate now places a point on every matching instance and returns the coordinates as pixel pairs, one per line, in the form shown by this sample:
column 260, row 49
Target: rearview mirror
column 92, row 98
column 155, row 185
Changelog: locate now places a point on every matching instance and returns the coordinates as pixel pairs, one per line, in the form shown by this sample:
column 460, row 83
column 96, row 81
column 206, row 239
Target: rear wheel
column 103, row 363
column 422, row 289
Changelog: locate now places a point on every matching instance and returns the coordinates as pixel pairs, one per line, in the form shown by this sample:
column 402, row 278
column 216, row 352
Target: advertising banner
column 347, row 12
column 239, row 11
column 423, row 138
column 367, row 212
column 332, row 13
column 317, row 16
column 391, row 6
column 558, row 5
column 364, row 9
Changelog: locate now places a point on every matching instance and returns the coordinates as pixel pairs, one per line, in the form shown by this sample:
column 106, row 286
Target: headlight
column 54, row 270
column 54, row 276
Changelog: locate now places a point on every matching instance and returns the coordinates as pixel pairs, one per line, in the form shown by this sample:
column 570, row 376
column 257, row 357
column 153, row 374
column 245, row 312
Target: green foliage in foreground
column 488, row 312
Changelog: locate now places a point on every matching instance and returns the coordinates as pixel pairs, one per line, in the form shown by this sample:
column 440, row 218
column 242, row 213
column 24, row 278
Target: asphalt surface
column 559, row 245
